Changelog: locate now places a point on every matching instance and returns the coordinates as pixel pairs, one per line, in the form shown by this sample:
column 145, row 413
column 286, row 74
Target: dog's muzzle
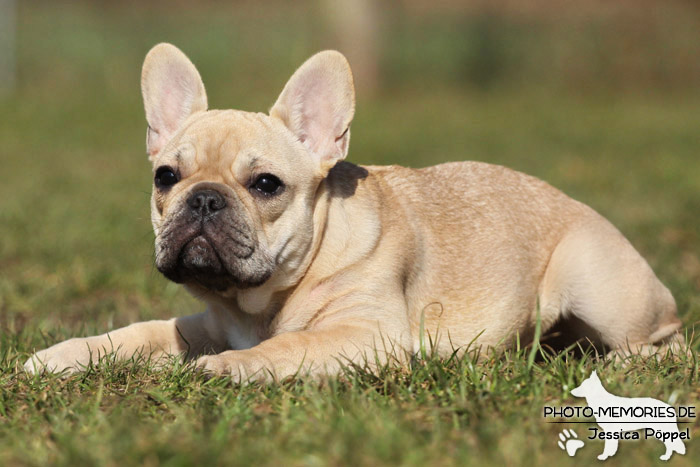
column 210, row 241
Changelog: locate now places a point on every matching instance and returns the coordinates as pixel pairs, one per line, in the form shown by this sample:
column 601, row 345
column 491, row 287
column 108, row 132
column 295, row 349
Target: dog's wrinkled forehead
column 217, row 142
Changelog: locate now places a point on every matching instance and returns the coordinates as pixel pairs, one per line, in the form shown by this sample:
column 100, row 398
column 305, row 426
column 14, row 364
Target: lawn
column 556, row 96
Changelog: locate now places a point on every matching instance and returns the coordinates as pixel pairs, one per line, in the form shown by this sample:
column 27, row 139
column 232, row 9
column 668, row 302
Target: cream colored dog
column 306, row 262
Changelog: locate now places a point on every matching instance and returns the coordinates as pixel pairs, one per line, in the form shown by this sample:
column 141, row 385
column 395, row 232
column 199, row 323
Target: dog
column 307, row 262
column 605, row 406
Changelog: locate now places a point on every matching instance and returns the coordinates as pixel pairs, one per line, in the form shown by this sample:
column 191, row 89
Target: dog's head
column 234, row 192
column 588, row 386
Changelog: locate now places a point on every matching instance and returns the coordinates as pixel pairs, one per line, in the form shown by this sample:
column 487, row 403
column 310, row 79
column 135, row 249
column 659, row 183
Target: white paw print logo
column 569, row 442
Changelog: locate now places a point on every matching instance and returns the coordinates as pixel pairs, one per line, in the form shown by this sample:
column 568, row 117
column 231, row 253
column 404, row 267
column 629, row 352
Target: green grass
column 76, row 242
column 440, row 411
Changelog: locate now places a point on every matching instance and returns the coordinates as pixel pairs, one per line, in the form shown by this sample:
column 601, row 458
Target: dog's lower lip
column 199, row 261
column 199, row 238
column 198, row 248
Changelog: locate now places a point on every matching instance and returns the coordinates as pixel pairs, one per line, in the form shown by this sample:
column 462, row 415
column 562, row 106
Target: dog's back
column 483, row 245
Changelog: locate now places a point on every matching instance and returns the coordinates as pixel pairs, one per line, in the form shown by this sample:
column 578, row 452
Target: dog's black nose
column 206, row 202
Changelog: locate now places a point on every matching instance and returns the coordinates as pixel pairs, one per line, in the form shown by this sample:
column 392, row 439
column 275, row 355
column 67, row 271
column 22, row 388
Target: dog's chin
column 199, row 264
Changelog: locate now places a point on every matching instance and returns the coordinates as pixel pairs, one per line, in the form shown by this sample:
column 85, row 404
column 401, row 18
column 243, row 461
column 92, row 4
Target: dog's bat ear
column 172, row 91
column 318, row 104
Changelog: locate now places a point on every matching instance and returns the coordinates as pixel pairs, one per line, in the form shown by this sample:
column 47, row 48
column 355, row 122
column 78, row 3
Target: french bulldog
column 308, row 263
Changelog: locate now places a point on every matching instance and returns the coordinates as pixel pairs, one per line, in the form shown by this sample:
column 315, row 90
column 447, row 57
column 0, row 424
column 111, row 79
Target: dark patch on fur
column 344, row 177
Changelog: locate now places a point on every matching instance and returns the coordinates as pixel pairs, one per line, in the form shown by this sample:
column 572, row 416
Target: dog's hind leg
column 674, row 445
column 677, row 445
column 609, row 449
column 596, row 278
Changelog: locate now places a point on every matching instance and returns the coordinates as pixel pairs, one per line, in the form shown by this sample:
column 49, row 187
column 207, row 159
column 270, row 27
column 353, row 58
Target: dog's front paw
column 44, row 362
column 213, row 365
column 67, row 357
column 230, row 363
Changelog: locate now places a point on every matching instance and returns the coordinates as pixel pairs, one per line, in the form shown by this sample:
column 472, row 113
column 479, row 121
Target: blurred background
column 599, row 98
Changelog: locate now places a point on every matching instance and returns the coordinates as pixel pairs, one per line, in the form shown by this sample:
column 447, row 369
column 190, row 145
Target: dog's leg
column 597, row 277
column 315, row 352
column 669, row 451
column 675, row 445
column 189, row 335
column 609, row 449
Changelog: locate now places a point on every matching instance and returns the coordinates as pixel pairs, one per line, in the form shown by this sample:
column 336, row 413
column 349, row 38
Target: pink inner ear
column 317, row 106
column 170, row 108
column 321, row 121
column 169, row 113
column 175, row 100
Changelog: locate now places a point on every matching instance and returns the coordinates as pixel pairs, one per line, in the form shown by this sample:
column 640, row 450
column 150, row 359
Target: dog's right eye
column 165, row 176
column 267, row 184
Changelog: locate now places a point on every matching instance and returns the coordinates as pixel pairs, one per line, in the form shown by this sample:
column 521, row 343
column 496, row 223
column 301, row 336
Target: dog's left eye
column 165, row 176
column 267, row 184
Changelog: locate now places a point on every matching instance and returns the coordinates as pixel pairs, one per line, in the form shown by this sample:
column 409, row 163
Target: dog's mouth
column 215, row 254
column 198, row 260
